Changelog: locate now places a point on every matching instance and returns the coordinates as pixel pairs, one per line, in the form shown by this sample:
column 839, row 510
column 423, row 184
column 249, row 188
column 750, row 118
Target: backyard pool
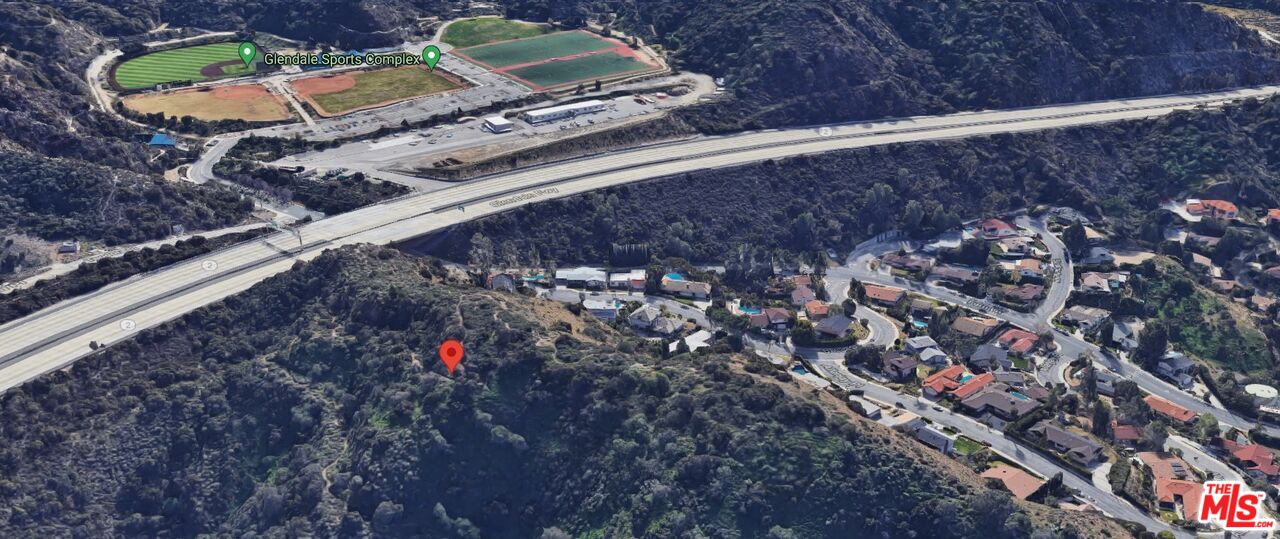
column 750, row 310
column 673, row 276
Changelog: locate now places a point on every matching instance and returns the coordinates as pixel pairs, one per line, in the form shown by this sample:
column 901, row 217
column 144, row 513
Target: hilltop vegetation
column 811, row 203
column 65, row 198
column 313, row 405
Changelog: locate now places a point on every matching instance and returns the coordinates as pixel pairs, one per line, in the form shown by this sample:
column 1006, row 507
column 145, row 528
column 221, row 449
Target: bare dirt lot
column 249, row 102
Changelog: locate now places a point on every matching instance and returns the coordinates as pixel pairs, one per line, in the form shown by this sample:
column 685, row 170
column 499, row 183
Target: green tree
column 1075, row 238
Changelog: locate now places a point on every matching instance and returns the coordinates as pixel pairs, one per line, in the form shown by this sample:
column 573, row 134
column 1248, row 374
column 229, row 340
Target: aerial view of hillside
column 671, row 268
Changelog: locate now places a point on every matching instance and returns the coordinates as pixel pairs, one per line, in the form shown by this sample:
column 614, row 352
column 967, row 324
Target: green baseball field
column 472, row 32
column 535, row 49
column 198, row 63
column 595, row 66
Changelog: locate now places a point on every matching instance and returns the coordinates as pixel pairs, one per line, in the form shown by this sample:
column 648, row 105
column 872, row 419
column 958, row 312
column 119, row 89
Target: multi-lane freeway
column 57, row 336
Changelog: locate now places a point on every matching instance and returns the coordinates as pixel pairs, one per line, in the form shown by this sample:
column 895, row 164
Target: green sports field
column 586, row 68
column 187, row 63
column 521, row 51
column 472, row 32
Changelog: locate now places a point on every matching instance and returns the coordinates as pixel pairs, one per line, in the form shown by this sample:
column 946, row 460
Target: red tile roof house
column 942, row 381
column 1018, row 341
column 1171, row 484
column 1125, row 435
column 1216, row 209
column 974, row 385
column 1169, row 409
column 1019, row 483
column 816, row 309
column 885, row 295
column 994, row 229
column 1257, row 461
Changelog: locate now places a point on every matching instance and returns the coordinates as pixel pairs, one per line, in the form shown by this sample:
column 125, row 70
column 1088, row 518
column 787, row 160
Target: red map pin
column 451, row 354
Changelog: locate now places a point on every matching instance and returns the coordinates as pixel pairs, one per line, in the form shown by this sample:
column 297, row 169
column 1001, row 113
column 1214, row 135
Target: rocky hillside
column 314, row 405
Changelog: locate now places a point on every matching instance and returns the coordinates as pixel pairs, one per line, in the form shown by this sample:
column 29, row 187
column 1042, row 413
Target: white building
column 498, row 124
column 563, row 111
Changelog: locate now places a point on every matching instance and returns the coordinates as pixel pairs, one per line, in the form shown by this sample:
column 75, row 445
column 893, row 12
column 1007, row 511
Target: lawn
column 586, row 68
column 967, row 446
column 522, row 51
column 383, row 86
column 472, row 32
column 187, row 63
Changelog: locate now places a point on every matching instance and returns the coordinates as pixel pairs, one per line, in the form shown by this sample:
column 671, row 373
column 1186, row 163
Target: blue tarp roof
column 161, row 139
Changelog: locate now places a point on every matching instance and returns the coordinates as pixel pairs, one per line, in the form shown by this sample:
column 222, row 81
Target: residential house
column 1173, row 483
column 581, row 277
column 1009, row 378
column 1206, row 241
column 898, row 366
column 503, row 281
column 1262, row 303
column 1105, row 382
column 1079, row 449
column 1098, row 256
column 771, row 318
column 884, row 295
column 1214, row 209
column 903, row 421
column 935, row 439
column 1224, row 286
column 1088, row 319
column 1125, row 330
column 1094, row 282
column 69, row 247
column 695, row 341
column 911, row 263
column 934, row 358
column 942, row 381
column 1177, row 367
column 603, row 309
column 864, row 407
column 975, row 326
column 1202, row 264
column 816, row 309
column 922, row 308
column 973, row 386
column 1018, row 341
column 1254, row 459
column 1272, row 272
column 835, row 326
column 649, row 318
column 1030, row 268
column 1272, row 217
column 632, row 280
column 998, row 401
column 1019, row 483
column 1169, row 409
column 990, row 357
column 686, row 289
column 957, row 275
column 1027, row 293
column 915, row 345
column 994, row 229
column 801, row 295
column 1016, row 246
column 1125, row 435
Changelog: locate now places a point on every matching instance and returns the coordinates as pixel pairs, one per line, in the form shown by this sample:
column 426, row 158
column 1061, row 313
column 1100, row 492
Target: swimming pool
column 673, row 276
column 750, row 310
column 965, row 378
column 1019, row 396
column 920, row 324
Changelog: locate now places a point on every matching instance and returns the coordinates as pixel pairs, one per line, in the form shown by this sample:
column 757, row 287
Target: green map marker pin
column 431, row 55
column 247, row 52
